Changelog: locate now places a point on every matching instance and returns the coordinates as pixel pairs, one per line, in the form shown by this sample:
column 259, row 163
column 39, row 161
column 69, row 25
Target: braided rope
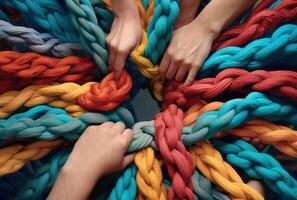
column 48, row 15
column 125, row 187
column 178, row 160
column 258, row 25
column 14, row 157
column 47, row 123
column 31, row 68
column 279, row 83
column 260, row 166
column 37, row 42
column 257, row 54
column 91, row 35
column 149, row 176
column 211, row 164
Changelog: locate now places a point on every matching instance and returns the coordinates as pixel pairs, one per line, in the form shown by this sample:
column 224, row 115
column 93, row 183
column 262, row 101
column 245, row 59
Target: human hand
column 125, row 34
column 101, row 150
column 187, row 13
column 189, row 47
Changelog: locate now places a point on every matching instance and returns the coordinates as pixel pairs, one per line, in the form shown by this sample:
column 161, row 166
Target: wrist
column 211, row 25
column 125, row 9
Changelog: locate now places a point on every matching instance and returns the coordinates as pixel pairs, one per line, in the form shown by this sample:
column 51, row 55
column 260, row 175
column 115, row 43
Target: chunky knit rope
column 31, row 68
column 259, row 166
column 48, row 15
column 256, row 55
column 257, row 25
column 47, row 123
column 91, row 36
column 211, row 164
column 149, row 176
column 37, row 42
column 14, row 157
column 178, row 160
column 279, row 83
column 108, row 94
column 125, row 187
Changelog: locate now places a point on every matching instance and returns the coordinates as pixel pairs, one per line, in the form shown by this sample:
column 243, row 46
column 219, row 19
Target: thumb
column 127, row 160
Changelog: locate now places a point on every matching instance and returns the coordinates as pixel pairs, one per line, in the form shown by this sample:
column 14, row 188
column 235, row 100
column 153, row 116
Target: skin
column 99, row 151
column 125, row 34
column 191, row 43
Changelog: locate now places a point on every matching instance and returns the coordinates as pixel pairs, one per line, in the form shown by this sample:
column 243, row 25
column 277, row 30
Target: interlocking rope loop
column 47, row 123
column 37, row 42
column 257, row 25
column 260, row 166
column 258, row 54
column 14, row 157
column 125, row 187
column 91, row 95
column 91, row 36
column 279, row 83
column 211, row 164
column 49, row 15
column 178, row 160
column 22, row 69
column 149, row 176
column 108, row 94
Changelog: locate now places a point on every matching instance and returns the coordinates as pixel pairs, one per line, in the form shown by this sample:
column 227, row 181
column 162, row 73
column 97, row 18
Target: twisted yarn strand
column 178, row 160
column 211, row 164
column 37, row 42
column 257, row 25
column 14, row 157
column 279, row 83
column 149, row 176
column 260, row 166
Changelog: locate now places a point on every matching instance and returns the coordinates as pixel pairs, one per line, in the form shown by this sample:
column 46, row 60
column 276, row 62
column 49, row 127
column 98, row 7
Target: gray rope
column 38, row 42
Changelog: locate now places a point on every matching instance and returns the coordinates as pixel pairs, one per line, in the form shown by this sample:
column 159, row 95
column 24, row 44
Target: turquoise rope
column 259, row 166
column 160, row 28
column 47, row 123
column 258, row 54
column 125, row 188
column 48, row 15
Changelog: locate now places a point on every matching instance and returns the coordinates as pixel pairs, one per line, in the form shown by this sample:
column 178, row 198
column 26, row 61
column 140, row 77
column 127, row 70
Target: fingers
column 172, row 69
column 257, row 186
column 182, row 72
column 164, row 66
column 118, row 128
column 107, row 125
column 127, row 135
column 191, row 76
column 119, row 62
column 127, row 160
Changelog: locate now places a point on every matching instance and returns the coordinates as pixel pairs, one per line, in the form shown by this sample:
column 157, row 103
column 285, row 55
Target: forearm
column 219, row 13
column 124, row 8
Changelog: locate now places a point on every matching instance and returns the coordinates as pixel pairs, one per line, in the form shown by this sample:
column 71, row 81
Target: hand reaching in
column 125, row 34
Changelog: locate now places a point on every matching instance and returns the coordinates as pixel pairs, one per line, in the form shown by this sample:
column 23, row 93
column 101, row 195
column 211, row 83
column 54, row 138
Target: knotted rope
column 259, row 166
column 178, row 160
column 279, row 83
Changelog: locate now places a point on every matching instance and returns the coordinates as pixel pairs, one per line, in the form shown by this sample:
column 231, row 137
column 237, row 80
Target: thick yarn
column 211, row 164
column 48, row 15
column 257, row 25
column 91, row 35
column 108, row 94
column 37, row 42
column 178, row 160
column 14, row 157
column 125, row 187
column 47, row 123
column 260, row 166
column 258, row 54
column 279, row 83
column 149, row 176
column 31, row 68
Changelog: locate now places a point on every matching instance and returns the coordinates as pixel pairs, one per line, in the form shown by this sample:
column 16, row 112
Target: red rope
column 18, row 70
column 108, row 94
column 178, row 160
column 279, row 83
column 257, row 25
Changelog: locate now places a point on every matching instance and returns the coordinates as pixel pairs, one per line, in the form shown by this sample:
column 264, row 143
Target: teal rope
column 46, row 14
column 47, row 123
column 258, row 54
column 125, row 188
column 160, row 28
column 259, row 166
column 91, row 35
